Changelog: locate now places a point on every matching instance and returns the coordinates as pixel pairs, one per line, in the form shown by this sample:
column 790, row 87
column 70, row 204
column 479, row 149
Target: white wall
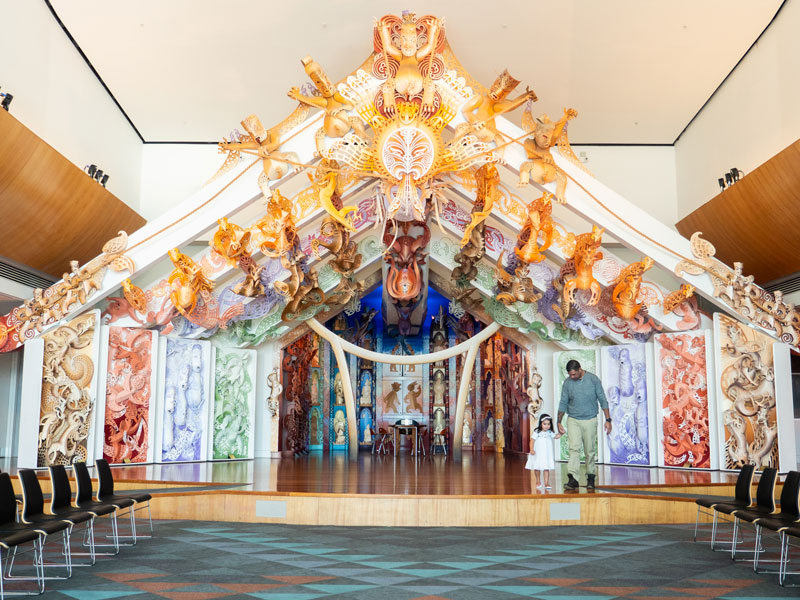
column 58, row 97
column 173, row 172
column 645, row 175
column 752, row 117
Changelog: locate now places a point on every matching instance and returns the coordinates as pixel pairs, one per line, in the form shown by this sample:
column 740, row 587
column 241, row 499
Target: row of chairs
column 24, row 521
column 785, row 524
column 384, row 440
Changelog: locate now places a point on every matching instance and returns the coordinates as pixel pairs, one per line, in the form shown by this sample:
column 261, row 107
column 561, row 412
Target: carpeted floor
column 201, row 560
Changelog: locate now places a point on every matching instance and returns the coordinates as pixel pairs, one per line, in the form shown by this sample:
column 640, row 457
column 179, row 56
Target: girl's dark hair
column 544, row 417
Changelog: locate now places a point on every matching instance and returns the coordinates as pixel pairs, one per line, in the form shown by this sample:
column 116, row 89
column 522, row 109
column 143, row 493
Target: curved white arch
column 340, row 346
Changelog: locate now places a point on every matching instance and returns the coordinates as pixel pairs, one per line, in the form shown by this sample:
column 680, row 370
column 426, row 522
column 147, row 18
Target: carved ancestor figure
column 627, row 288
column 336, row 123
column 534, row 397
column 277, row 226
column 404, row 279
column 263, row 143
column 327, row 186
column 540, row 167
column 678, row 297
column 275, row 391
column 539, row 220
column 487, row 179
column 408, row 43
column 473, row 244
column 514, row 288
column 187, row 282
column 230, row 241
column 391, row 399
column 302, row 290
column 480, row 110
column 587, row 252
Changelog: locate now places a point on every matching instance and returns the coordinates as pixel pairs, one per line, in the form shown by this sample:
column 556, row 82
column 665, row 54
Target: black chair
column 789, row 515
column 765, row 505
column 105, row 493
column 61, row 506
column 743, row 497
column 793, row 531
column 33, row 514
column 12, row 536
column 84, row 501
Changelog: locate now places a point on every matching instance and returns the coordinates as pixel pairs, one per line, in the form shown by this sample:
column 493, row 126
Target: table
column 404, row 429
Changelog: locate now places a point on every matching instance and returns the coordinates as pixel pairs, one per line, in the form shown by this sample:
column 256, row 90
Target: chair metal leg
column 5, row 573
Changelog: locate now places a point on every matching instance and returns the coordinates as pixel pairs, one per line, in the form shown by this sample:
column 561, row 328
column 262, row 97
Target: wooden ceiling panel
column 756, row 221
column 52, row 212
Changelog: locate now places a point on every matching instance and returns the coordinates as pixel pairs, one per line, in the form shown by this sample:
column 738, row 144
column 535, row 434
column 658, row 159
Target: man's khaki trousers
column 582, row 432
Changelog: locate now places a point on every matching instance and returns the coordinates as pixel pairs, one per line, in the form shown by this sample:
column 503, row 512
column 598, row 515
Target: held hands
column 561, row 430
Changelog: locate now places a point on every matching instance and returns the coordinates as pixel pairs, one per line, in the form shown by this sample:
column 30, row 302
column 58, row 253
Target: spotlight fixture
column 7, row 98
column 736, row 174
column 721, row 182
column 98, row 174
column 90, row 170
column 729, row 179
column 103, row 180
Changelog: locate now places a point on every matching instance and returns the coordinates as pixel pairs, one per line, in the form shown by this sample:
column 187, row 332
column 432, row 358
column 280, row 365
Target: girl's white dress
column 544, row 447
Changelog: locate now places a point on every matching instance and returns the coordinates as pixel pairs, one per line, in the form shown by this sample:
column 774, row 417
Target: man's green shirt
column 580, row 397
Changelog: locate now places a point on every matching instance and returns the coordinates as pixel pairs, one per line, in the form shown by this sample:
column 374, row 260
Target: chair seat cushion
column 97, row 508
column 138, row 498
column 729, row 508
column 73, row 515
column 776, row 522
column 711, row 501
column 118, row 501
column 15, row 538
column 751, row 514
column 47, row 525
column 793, row 530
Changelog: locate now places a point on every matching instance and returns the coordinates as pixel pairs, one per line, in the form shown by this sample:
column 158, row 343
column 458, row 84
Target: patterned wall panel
column 184, row 399
column 683, row 400
column 68, row 394
column 625, row 381
column 588, row 360
column 130, row 390
column 233, row 415
column 746, row 392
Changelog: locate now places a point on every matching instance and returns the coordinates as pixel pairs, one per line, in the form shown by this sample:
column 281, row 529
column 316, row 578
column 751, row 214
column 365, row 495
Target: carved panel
column 234, row 403
column 682, row 394
column 68, row 392
column 746, row 387
column 129, row 393
column 184, row 399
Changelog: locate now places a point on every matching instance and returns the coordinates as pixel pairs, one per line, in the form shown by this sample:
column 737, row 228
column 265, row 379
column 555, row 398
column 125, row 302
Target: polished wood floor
column 479, row 474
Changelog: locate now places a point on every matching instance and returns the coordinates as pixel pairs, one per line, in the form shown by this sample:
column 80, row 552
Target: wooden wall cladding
column 51, row 212
column 756, row 220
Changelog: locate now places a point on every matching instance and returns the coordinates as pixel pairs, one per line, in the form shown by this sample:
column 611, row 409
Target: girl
column 542, row 455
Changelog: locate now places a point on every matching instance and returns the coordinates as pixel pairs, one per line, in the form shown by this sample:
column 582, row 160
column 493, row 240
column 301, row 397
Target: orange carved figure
column 539, row 221
column 587, row 252
column 678, row 297
column 187, row 282
column 627, row 288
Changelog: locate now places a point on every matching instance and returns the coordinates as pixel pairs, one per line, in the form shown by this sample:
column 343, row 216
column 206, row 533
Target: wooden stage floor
column 479, row 474
column 485, row 490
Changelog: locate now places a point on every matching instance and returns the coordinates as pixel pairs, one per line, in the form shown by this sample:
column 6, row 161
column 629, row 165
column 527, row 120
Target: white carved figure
column 339, row 428
column 275, row 391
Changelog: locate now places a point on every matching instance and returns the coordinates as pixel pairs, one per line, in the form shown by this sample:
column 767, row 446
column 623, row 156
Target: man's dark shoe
column 590, row 482
column 572, row 483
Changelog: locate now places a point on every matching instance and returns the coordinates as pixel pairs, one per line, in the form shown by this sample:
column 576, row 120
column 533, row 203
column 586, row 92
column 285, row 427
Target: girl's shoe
column 548, row 487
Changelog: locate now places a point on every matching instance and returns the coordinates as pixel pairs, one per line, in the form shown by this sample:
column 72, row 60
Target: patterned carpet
column 203, row 560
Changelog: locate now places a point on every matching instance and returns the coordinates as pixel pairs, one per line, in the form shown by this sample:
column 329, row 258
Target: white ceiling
column 636, row 70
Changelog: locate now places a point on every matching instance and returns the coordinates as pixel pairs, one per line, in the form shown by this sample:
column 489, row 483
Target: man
column 581, row 393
